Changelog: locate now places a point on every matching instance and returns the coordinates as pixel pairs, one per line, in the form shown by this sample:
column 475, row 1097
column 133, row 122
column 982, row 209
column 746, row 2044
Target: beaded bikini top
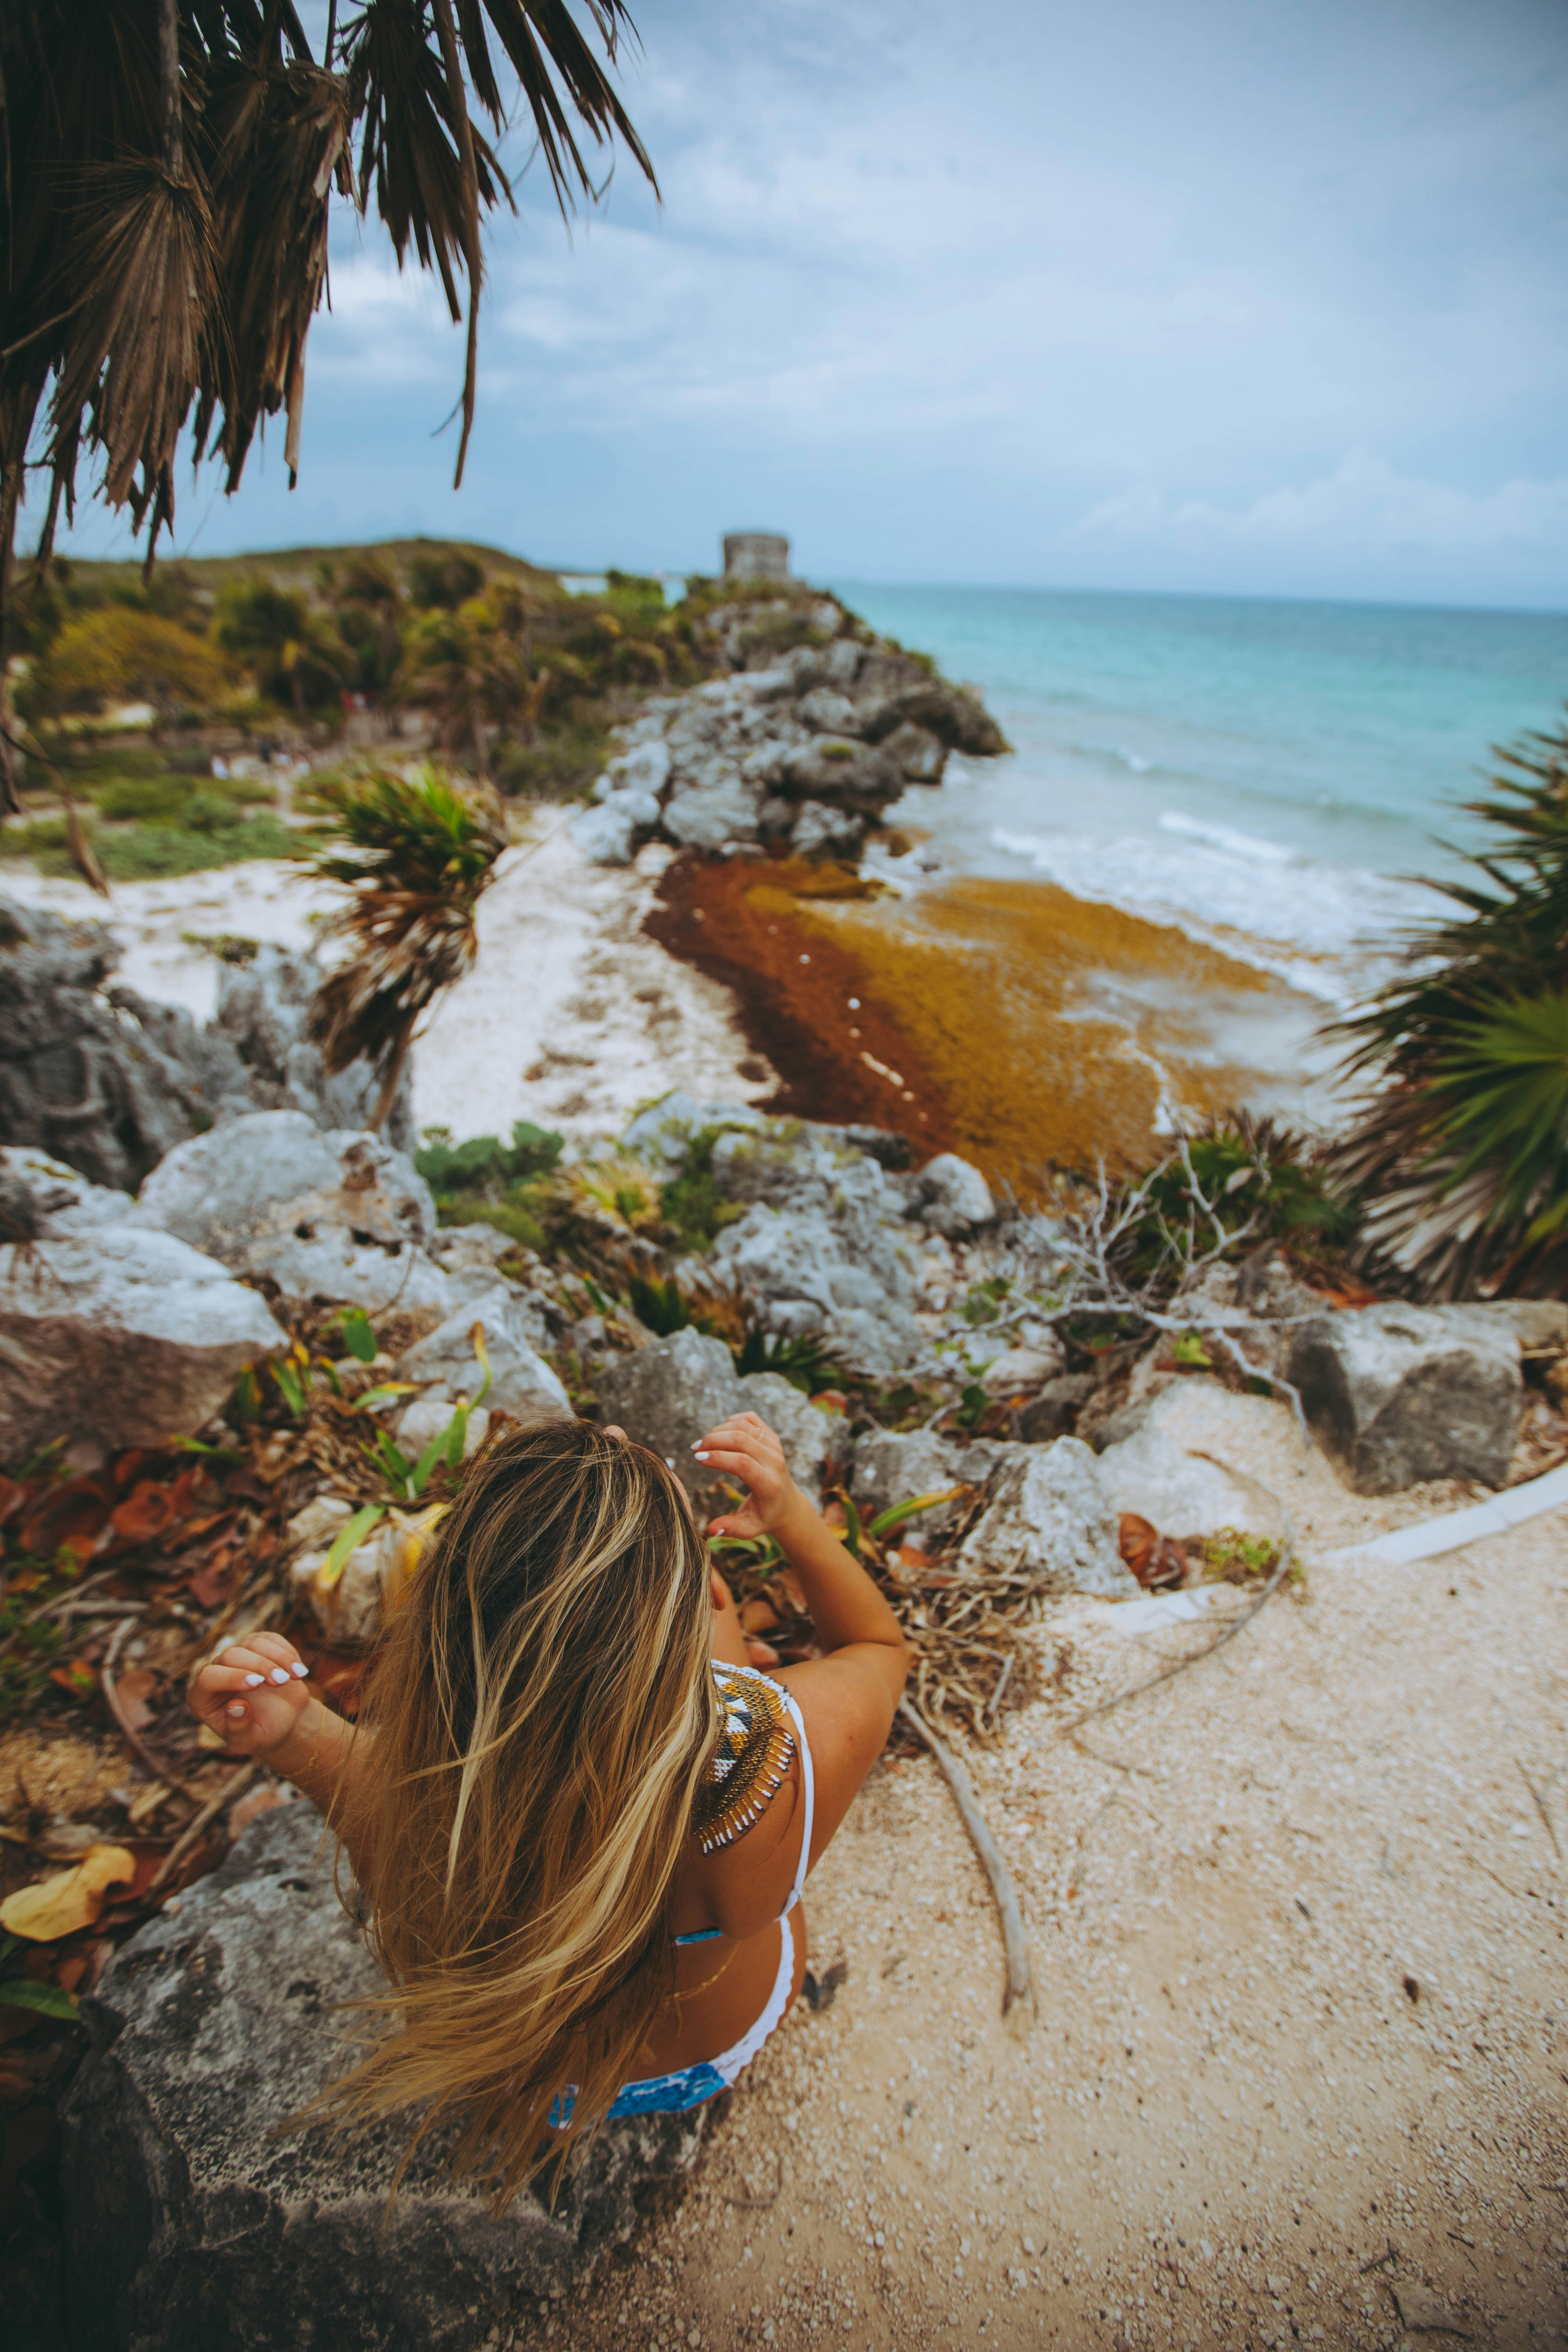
column 756, row 1748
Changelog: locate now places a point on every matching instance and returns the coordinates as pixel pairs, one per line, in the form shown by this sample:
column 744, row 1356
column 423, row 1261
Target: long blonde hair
column 539, row 1714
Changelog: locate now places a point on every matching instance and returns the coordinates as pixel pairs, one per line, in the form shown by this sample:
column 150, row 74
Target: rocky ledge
column 199, row 2213
column 799, row 752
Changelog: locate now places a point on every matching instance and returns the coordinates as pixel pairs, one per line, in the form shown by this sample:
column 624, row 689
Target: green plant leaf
column 395, row 1463
column 374, row 1399
column 288, row 1380
column 851, row 1538
column 456, row 1437
column 347, row 1540
column 50, row 2000
column 477, row 1337
column 418, row 1477
column 358, row 1336
column 1187, row 1348
column 894, row 1516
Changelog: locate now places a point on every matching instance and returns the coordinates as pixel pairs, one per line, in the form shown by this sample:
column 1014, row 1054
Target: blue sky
column 1245, row 296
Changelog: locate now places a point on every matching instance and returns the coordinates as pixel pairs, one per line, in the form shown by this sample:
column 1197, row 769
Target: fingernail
column 251, row 1681
column 701, row 1457
column 279, row 1674
column 235, row 1708
column 298, row 1669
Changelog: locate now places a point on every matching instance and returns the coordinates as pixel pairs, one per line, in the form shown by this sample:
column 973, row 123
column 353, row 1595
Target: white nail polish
column 251, row 1681
column 279, row 1674
column 298, row 1669
column 701, row 1457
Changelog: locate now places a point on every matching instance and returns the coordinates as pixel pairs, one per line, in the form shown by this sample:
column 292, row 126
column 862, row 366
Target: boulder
column 953, row 1198
column 644, row 768
column 823, row 831
column 198, row 2212
column 720, row 805
column 522, row 1384
column 338, row 1216
column 1046, row 1516
column 1020, row 1370
column 1184, row 1468
column 919, row 756
column 92, row 1074
column 57, row 1200
column 116, row 1333
column 828, row 712
column 1397, row 1394
column 890, row 1468
column 262, row 1007
column 671, row 1394
column 837, row 1263
column 894, row 690
column 849, row 775
column 611, row 834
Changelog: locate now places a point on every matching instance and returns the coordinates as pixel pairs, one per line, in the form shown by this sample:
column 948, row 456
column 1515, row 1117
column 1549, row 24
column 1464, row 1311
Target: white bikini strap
column 809, row 1792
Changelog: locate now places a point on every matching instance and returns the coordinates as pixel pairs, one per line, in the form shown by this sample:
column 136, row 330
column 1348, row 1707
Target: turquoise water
column 1265, row 772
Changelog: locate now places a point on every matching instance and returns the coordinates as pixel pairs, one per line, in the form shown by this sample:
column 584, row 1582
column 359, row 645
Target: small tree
column 1461, row 1153
column 415, row 854
column 470, row 673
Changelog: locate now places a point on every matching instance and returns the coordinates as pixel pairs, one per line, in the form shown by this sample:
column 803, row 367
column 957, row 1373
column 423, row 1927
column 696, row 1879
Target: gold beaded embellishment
column 756, row 1748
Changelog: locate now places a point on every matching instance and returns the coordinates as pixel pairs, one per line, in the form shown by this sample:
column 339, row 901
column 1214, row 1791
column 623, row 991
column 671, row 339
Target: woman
column 580, row 1819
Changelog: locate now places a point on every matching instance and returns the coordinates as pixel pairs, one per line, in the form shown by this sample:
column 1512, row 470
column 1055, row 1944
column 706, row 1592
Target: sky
column 1240, row 296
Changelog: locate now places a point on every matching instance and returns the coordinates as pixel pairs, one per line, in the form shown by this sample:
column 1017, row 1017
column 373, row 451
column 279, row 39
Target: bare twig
column 133, row 1740
column 1018, row 2000
column 1539, row 1803
column 188, row 1836
column 1287, row 1561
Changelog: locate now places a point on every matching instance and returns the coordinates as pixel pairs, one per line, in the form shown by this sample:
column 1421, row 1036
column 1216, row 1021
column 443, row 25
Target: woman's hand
column 252, row 1694
column 744, row 1448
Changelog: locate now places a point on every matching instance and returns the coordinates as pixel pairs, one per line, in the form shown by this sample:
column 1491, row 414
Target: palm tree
column 166, row 170
column 1460, row 1156
column 415, row 854
column 470, row 673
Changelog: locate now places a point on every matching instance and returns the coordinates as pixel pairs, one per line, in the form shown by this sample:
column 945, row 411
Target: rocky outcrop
column 797, row 750
column 890, row 1468
column 191, row 2218
column 99, row 1076
column 445, row 1365
column 108, row 1330
column 669, row 1395
column 339, row 1217
column 1046, row 1517
column 1398, row 1394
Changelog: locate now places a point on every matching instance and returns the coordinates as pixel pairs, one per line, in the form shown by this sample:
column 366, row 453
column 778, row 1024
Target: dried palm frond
column 415, row 854
column 166, row 168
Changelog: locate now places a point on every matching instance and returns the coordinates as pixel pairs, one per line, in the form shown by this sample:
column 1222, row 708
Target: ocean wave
column 1227, row 838
column 1330, row 931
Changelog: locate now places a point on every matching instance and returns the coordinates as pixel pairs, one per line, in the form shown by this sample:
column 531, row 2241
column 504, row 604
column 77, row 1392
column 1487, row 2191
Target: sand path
column 1297, row 1923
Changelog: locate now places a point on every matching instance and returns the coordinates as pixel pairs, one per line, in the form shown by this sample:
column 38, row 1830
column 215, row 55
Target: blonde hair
column 542, row 1715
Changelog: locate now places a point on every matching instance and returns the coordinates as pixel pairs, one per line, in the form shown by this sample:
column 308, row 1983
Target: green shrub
column 1261, row 1184
column 691, row 1202
column 485, row 1181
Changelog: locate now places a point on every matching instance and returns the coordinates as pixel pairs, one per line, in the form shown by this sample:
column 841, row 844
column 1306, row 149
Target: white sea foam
column 1327, row 930
column 1226, row 838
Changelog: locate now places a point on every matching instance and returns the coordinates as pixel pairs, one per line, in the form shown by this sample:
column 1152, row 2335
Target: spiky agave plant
column 415, row 854
column 1461, row 1155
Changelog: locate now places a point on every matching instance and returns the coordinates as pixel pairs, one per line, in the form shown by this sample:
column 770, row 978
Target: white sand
column 570, row 1017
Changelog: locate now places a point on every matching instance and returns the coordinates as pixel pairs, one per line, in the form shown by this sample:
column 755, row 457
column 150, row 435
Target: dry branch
column 1018, row 2000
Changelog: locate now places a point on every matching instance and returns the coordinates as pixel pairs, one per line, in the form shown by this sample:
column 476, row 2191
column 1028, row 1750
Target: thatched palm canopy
column 166, row 170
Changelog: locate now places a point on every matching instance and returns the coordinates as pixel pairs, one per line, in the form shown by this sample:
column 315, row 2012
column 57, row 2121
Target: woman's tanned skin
column 256, row 1696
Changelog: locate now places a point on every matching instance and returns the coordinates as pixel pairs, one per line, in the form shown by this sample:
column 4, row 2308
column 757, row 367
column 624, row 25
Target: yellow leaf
column 71, row 1899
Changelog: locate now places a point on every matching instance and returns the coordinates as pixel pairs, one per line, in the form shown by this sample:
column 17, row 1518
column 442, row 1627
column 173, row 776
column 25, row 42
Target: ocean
column 1266, row 774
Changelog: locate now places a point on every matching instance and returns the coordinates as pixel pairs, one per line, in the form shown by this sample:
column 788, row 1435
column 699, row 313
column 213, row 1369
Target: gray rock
column 1020, row 1370
column 661, row 1133
column 522, row 1384
column 828, row 713
column 917, row 754
column 847, row 774
column 955, row 1197
column 894, row 691
column 61, row 1201
column 611, row 834
column 1535, row 1323
column 838, row 664
column 823, row 831
column 1047, row 1515
column 1398, row 1394
column 338, row 1216
column 1183, row 1467
column 122, row 1335
column 262, row 1007
column 191, row 2218
column 891, row 1469
column 645, row 768
column 668, row 1395
column 92, row 1074
column 1054, row 1412
column 720, row 805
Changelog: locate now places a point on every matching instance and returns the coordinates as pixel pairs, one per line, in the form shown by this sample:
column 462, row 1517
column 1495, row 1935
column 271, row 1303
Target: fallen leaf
column 209, row 1587
column 133, row 1690
column 76, row 1676
column 830, row 1400
column 71, row 1516
column 71, row 1899
column 146, row 1511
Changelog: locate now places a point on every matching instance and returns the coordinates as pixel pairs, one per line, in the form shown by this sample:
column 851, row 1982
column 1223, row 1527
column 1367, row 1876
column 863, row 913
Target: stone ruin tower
column 756, row 555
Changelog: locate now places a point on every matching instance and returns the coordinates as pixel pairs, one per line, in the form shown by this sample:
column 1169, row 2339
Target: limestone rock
column 826, row 712
column 849, row 775
column 1398, row 1394
column 335, row 1216
column 919, row 756
column 92, row 1074
column 823, row 831
column 610, row 834
column 671, row 1395
column 262, row 1007
column 1048, row 1515
column 894, row 691
column 1185, row 1468
column 720, row 805
column 891, row 1469
column 522, row 1384
column 61, row 1201
column 1054, row 1412
column 190, row 2220
column 644, row 768
column 123, row 1335
column 955, row 1197
column 1020, row 1370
